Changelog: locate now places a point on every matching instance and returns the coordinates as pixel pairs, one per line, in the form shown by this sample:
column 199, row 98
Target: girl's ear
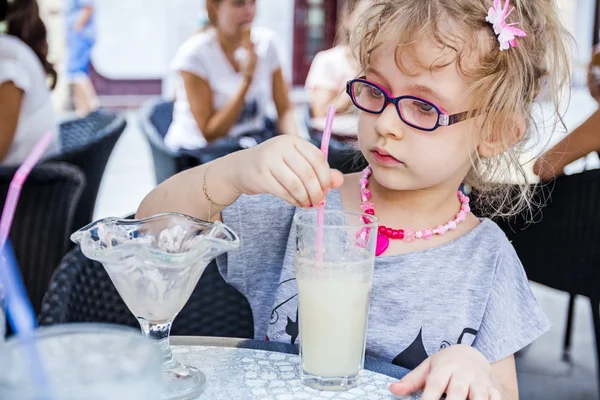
column 497, row 144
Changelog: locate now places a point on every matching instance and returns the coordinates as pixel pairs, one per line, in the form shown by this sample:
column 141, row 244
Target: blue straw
column 22, row 318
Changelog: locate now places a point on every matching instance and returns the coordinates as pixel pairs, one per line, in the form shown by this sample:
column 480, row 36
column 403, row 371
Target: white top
column 203, row 56
column 330, row 70
column 20, row 65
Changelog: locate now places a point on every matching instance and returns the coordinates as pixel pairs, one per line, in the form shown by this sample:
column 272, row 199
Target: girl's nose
column 389, row 123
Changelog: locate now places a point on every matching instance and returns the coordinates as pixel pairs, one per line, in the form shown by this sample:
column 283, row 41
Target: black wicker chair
column 42, row 222
column 155, row 117
column 81, row 291
column 561, row 248
column 88, row 143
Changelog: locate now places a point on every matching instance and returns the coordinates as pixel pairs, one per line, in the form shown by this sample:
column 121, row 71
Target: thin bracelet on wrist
column 211, row 202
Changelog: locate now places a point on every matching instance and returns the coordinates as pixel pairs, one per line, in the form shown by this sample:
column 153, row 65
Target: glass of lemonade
column 334, row 272
column 81, row 362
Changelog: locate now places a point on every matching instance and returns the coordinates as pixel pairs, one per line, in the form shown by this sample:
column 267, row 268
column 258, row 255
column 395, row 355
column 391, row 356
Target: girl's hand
column 287, row 167
column 460, row 371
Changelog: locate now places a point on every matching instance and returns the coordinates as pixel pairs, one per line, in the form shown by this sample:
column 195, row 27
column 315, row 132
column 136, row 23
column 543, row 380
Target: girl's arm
column 285, row 111
column 213, row 124
column 184, row 192
column 11, row 98
column 288, row 167
column 504, row 377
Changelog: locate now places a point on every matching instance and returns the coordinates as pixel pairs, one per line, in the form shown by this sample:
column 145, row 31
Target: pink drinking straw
column 321, row 209
column 19, row 309
column 14, row 191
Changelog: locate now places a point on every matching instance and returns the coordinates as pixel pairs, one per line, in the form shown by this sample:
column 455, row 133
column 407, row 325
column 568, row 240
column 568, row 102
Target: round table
column 238, row 369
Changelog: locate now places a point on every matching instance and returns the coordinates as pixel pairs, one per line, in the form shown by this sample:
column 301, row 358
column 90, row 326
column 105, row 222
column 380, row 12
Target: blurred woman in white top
column 229, row 74
column 26, row 76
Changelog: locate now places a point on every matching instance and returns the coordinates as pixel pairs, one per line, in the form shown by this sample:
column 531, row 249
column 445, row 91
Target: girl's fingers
column 495, row 394
column 478, row 392
column 280, row 191
column 413, row 381
column 292, row 183
column 337, row 178
column 306, row 173
column 437, row 384
column 458, row 389
column 318, row 162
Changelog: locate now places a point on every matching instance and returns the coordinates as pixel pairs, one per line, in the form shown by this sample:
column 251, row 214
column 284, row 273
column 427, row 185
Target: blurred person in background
column 26, row 78
column 80, row 37
column 582, row 141
column 332, row 68
column 228, row 74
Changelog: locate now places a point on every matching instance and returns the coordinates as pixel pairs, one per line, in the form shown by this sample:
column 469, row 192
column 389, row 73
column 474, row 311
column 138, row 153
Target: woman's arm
column 213, row 124
column 84, row 18
column 11, row 98
column 285, row 111
column 582, row 141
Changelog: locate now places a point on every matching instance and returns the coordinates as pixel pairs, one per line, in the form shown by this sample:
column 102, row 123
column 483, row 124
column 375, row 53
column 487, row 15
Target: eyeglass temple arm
column 446, row 120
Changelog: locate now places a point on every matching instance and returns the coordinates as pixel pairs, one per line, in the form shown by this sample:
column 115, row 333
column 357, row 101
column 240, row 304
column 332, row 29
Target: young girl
column 446, row 98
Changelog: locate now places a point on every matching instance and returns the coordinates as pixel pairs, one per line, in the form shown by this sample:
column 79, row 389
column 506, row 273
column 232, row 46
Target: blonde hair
column 343, row 33
column 506, row 84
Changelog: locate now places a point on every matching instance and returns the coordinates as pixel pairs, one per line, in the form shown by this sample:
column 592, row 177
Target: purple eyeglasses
column 414, row 111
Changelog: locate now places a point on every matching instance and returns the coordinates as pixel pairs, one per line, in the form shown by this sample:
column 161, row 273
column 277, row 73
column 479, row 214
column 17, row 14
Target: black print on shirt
column 292, row 328
column 415, row 354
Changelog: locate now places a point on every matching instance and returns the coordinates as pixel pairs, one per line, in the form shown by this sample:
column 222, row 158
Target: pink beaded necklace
column 384, row 233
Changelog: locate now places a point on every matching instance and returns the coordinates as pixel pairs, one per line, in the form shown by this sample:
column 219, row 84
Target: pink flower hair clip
column 507, row 33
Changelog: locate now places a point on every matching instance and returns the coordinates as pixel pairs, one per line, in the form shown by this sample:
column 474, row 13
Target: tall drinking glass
column 334, row 272
column 82, row 362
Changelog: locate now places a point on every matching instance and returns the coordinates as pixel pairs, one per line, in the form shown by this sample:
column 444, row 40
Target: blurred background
column 137, row 39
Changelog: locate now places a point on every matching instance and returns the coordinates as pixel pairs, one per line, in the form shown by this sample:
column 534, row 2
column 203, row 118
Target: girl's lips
column 382, row 157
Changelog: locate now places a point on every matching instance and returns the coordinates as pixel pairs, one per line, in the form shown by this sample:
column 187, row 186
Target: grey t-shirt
column 472, row 290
